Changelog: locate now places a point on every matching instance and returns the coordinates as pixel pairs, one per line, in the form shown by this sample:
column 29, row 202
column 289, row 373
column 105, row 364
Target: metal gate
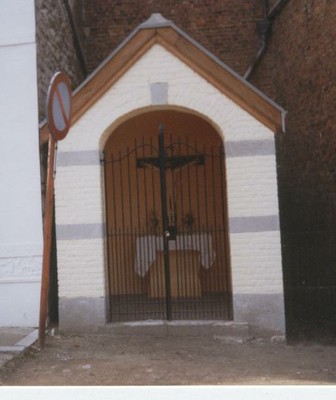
column 167, row 238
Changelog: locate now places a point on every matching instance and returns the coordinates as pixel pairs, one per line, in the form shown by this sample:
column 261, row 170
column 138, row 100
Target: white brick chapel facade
column 160, row 68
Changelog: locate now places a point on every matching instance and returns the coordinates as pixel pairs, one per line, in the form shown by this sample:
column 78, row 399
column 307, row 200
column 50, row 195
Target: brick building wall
column 297, row 71
column 56, row 51
column 300, row 61
column 226, row 28
column 55, row 47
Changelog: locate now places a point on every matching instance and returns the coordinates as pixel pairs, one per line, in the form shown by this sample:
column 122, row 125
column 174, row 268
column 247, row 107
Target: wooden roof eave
column 223, row 78
column 107, row 73
column 191, row 53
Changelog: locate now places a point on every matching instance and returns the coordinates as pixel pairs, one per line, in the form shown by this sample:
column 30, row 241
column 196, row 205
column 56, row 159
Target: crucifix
column 171, row 164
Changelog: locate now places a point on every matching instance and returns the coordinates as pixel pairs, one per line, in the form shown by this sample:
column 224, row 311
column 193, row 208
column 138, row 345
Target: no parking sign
column 59, row 105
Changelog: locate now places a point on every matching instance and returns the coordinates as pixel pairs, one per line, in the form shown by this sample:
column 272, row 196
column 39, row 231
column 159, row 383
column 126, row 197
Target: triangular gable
column 159, row 30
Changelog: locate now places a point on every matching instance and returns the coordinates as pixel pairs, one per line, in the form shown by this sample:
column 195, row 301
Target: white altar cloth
column 147, row 246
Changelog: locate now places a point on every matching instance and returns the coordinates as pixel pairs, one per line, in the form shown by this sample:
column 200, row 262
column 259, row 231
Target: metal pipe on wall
column 265, row 7
column 264, row 27
column 77, row 42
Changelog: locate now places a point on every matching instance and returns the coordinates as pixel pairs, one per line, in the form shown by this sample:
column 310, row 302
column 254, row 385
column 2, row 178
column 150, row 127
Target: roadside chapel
column 166, row 190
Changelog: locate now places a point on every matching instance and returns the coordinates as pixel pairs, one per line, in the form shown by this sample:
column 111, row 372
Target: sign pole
column 59, row 105
column 47, row 229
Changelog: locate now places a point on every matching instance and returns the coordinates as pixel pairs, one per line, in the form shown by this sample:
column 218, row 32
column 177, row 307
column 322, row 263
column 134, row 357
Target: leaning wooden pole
column 47, row 233
column 58, row 111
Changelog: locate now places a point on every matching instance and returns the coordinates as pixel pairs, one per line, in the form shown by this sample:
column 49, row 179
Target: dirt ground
column 108, row 359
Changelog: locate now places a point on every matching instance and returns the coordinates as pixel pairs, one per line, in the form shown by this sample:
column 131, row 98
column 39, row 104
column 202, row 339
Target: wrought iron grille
column 167, row 231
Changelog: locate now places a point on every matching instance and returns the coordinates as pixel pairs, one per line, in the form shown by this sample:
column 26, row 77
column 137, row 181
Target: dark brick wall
column 227, row 28
column 55, row 47
column 55, row 51
column 300, row 62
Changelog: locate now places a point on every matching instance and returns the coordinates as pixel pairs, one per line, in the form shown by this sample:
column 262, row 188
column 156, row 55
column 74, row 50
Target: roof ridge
column 156, row 20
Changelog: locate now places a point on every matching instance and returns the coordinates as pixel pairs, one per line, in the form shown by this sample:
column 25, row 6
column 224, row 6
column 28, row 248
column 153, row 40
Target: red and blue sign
column 59, row 105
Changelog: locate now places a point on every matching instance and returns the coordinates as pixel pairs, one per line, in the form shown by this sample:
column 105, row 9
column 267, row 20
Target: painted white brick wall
column 256, row 258
column 185, row 89
column 81, row 271
column 252, row 186
column 79, row 195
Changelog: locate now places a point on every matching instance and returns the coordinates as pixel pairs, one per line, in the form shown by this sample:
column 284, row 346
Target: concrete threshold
column 229, row 331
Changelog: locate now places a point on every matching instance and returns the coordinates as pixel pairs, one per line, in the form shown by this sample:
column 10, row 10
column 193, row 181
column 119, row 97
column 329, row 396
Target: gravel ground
column 108, row 359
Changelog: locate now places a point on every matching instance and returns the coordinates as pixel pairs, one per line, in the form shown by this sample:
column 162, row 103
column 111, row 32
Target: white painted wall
column 20, row 192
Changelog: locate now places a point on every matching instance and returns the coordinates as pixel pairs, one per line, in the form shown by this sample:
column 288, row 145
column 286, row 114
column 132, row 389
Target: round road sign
column 59, row 105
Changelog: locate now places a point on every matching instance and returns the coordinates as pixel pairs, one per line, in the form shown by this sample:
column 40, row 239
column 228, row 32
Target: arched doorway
column 166, row 213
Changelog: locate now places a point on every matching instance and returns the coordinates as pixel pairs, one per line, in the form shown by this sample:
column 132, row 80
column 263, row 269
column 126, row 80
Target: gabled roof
column 164, row 32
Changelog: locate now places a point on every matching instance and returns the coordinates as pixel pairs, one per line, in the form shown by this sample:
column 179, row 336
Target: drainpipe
column 265, row 4
column 264, row 27
column 77, row 43
column 276, row 9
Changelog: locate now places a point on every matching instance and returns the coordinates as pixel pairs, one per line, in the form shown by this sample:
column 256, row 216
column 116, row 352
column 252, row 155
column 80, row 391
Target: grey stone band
column 265, row 311
column 245, row 148
column 77, row 158
column 237, row 225
column 80, row 231
column 159, row 93
column 266, row 223
column 249, row 148
column 82, row 312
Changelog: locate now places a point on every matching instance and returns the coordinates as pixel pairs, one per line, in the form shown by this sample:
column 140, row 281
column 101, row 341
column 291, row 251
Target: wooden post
column 47, row 232
column 59, row 105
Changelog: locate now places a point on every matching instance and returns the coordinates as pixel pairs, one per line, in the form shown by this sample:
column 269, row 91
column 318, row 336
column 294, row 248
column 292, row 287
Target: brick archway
column 195, row 203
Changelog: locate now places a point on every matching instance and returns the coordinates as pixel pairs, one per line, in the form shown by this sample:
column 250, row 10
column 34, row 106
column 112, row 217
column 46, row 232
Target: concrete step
column 227, row 331
column 15, row 341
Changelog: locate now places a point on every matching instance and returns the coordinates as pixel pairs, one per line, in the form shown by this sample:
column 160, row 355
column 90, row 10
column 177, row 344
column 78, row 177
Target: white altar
column 147, row 247
column 184, row 266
